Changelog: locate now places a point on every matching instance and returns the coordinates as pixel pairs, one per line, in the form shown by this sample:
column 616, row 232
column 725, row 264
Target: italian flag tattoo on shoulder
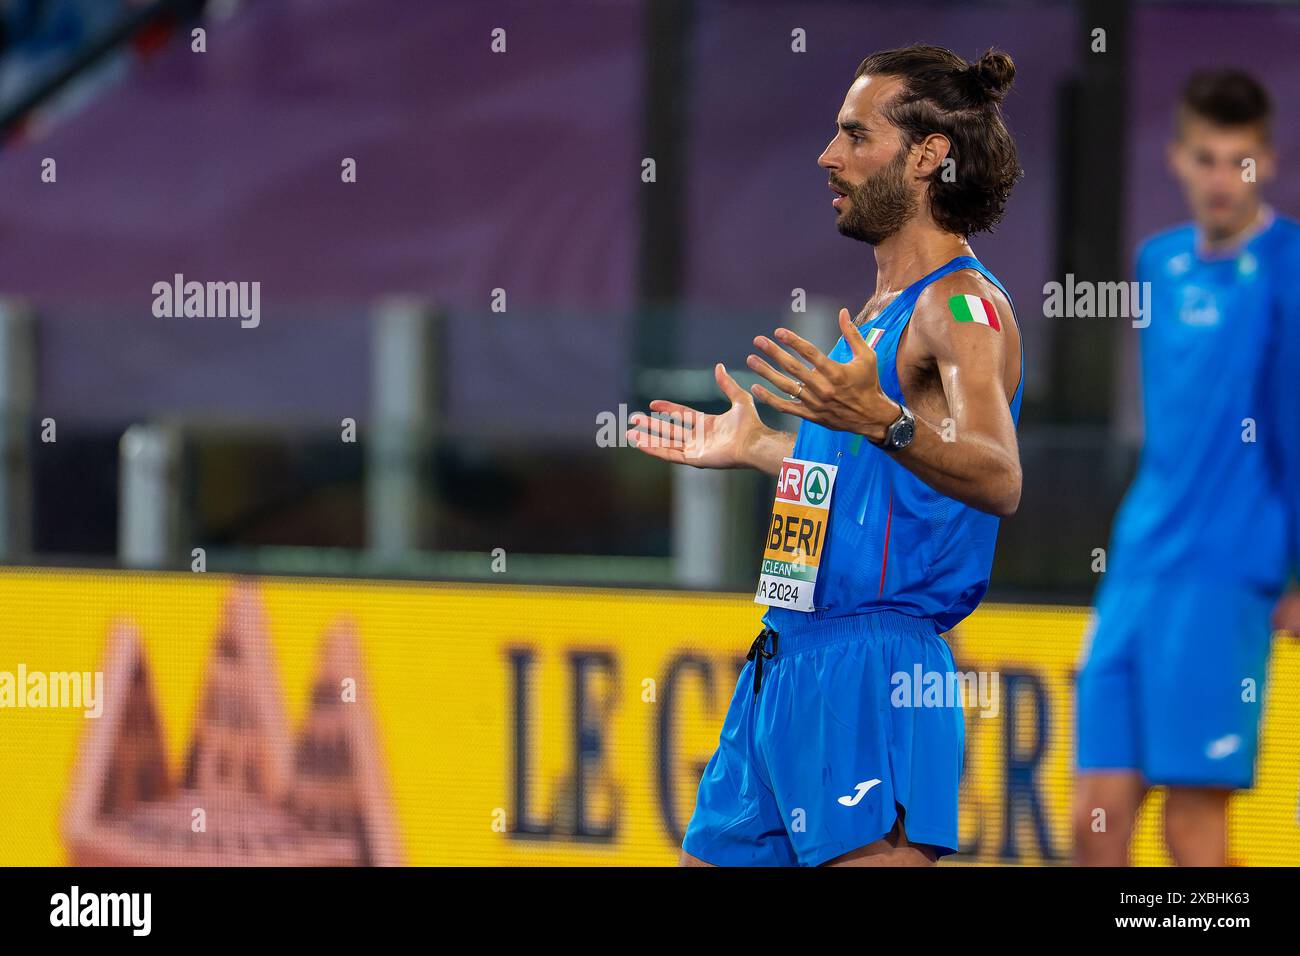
column 971, row 308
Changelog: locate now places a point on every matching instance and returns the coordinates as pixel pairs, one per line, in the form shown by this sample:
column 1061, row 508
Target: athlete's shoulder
column 1163, row 247
column 1284, row 237
column 961, row 296
column 1287, row 223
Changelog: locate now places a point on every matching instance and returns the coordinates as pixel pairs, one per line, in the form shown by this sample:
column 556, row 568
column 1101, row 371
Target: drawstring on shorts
column 759, row 653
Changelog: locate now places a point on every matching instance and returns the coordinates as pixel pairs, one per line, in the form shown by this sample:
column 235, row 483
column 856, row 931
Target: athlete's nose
column 825, row 161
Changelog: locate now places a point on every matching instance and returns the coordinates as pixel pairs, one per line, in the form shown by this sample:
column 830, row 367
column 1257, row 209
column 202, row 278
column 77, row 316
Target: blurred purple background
column 521, row 171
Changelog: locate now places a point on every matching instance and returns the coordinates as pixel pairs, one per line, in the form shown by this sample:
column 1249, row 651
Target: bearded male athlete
column 888, row 498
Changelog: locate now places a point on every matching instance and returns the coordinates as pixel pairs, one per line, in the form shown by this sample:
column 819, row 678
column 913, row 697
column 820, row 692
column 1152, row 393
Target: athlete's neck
column 913, row 252
column 1209, row 243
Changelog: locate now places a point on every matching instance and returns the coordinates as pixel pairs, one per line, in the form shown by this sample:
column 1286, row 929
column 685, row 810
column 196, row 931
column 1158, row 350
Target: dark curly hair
column 944, row 94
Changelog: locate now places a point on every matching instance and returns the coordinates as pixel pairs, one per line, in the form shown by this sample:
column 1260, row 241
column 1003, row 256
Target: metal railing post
column 406, row 362
column 17, row 400
column 149, row 501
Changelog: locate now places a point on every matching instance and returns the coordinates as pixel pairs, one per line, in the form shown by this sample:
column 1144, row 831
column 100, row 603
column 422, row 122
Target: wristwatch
column 900, row 434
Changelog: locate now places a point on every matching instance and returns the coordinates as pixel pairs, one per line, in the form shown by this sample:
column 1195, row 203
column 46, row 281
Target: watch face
column 902, row 433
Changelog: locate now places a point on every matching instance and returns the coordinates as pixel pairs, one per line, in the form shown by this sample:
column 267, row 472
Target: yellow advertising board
column 293, row 721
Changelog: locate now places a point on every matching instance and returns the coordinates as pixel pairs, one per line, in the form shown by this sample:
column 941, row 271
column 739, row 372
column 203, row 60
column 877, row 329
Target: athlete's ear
column 1173, row 157
column 931, row 153
column 1265, row 164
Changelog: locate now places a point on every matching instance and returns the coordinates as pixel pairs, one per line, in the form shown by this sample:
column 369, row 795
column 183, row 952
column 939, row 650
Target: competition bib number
column 796, row 534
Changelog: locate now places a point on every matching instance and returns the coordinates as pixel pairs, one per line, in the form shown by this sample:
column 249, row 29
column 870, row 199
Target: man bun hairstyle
column 944, row 94
column 992, row 74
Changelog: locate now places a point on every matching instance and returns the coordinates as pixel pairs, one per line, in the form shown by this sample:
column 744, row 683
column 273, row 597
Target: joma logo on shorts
column 860, row 791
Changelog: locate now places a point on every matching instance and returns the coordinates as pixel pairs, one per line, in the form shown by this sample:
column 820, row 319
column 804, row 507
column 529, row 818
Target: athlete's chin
column 1222, row 215
column 850, row 231
column 1221, row 224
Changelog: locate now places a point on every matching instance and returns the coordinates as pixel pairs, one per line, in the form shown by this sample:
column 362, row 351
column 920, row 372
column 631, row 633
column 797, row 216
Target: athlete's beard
column 879, row 207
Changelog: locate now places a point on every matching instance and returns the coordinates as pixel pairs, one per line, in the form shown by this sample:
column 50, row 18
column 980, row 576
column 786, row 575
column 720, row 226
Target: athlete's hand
column 844, row 397
column 1286, row 614
column 735, row 439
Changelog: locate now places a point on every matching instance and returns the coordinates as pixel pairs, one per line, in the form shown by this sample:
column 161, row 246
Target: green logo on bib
column 816, row 485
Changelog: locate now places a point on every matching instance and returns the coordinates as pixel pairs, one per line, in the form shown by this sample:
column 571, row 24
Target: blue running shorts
column 1173, row 681
column 825, row 739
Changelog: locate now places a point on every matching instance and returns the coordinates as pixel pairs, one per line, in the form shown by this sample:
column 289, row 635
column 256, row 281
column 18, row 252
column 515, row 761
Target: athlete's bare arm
column 957, row 378
column 735, row 439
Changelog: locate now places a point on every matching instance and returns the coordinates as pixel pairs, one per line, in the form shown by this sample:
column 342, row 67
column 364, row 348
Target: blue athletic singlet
column 820, row 747
column 1208, row 502
column 894, row 542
